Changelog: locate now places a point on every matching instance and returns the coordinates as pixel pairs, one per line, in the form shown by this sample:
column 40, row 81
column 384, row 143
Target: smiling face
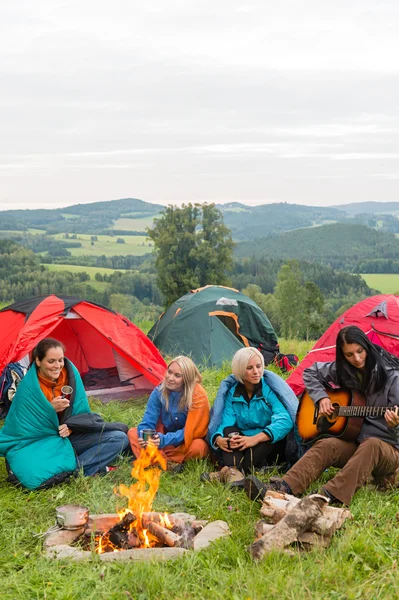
column 355, row 354
column 174, row 378
column 52, row 363
column 253, row 372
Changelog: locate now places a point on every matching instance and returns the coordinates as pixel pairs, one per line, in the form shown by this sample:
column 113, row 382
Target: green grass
column 361, row 562
column 98, row 285
column 386, row 283
column 107, row 245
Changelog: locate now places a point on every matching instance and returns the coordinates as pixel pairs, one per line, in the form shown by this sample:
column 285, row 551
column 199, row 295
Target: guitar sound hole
column 325, row 423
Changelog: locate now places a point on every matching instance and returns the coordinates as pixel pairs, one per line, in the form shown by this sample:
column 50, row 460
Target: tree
column 290, row 299
column 193, row 248
column 313, row 305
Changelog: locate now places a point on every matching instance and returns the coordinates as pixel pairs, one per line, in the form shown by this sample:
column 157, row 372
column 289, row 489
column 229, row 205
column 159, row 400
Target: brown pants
column 198, row 449
column 356, row 461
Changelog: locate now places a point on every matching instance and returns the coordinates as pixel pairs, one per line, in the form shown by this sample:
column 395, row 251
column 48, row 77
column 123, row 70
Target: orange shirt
column 52, row 389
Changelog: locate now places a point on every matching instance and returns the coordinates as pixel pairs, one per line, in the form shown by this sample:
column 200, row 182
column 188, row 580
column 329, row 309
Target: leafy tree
column 193, row 248
column 313, row 303
column 289, row 295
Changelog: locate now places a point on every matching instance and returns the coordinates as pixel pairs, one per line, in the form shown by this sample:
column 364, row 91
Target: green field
column 98, row 285
column 361, row 562
column 136, row 245
column 385, row 283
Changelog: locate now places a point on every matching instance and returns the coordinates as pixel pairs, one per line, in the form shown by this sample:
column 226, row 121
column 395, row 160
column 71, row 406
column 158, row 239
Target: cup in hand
column 66, row 391
column 148, row 434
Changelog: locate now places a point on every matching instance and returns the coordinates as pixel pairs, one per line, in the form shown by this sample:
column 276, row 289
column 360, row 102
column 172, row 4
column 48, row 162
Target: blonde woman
column 178, row 409
column 251, row 429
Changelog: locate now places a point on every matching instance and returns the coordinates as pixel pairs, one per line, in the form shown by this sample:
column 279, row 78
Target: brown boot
column 225, row 475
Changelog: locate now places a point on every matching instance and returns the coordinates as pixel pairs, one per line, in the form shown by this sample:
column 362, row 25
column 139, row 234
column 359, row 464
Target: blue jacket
column 173, row 419
column 264, row 413
column 277, row 384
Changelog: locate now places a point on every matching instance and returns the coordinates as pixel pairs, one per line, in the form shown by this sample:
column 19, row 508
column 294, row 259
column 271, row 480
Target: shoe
column 256, row 489
column 229, row 475
column 110, row 468
column 333, row 501
column 174, row 467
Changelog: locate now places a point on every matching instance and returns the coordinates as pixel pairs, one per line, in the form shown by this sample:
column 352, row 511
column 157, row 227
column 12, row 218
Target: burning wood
column 165, row 536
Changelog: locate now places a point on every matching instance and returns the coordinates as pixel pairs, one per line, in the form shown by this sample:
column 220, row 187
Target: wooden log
column 307, row 539
column 165, row 536
column 276, row 506
column 294, row 523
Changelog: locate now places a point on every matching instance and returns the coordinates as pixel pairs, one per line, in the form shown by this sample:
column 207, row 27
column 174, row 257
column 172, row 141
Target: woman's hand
column 223, row 443
column 154, row 441
column 325, row 407
column 64, row 431
column 242, row 442
column 392, row 417
column 60, row 403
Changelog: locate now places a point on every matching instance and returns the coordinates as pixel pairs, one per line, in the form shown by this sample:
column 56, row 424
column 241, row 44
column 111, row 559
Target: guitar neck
column 363, row 411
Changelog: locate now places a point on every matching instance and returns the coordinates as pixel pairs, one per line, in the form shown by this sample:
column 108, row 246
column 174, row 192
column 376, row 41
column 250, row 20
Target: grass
column 384, row 282
column 107, row 245
column 98, row 285
column 361, row 562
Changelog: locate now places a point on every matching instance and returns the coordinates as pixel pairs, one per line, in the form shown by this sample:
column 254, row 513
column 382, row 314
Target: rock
column 62, row 537
column 211, row 532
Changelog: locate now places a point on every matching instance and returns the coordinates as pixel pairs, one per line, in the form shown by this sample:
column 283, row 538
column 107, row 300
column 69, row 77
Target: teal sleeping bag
column 30, row 441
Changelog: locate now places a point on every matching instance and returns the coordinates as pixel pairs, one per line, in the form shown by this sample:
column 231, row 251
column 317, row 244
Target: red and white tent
column 377, row 316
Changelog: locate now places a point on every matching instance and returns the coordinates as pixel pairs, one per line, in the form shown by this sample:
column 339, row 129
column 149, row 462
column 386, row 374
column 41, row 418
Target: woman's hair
column 190, row 375
column 241, row 359
column 44, row 346
column 376, row 361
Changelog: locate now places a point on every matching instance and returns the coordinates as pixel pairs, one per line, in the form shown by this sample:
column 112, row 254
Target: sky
column 198, row 101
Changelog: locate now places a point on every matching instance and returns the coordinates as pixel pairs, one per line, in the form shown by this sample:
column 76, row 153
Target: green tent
column 210, row 324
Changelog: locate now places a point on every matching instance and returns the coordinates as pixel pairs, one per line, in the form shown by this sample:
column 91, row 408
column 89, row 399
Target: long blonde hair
column 191, row 376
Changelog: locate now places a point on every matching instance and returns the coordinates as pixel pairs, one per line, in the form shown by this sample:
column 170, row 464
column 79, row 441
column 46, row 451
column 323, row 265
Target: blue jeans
column 97, row 450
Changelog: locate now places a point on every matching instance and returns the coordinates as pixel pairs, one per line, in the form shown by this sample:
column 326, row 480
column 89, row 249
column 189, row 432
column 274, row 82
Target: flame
column 146, row 471
column 165, row 521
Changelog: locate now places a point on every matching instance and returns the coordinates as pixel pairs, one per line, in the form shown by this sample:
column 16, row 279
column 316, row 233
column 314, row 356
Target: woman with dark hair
column 49, row 431
column 360, row 366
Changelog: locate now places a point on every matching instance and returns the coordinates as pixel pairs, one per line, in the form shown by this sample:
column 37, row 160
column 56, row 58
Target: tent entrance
column 230, row 321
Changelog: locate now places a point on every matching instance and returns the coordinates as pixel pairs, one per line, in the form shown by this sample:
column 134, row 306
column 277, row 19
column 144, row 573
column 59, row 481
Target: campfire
column 137, row 531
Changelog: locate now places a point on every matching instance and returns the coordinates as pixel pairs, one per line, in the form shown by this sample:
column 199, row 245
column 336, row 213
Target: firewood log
column 165, row 536
column 276, row 506
column 287, row 530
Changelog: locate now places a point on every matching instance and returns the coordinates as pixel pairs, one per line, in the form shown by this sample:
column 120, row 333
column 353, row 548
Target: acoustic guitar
column 345, row 422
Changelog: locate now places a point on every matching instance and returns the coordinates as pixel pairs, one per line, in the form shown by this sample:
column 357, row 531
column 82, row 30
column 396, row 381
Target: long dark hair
column 376, row 361
column 44, row 346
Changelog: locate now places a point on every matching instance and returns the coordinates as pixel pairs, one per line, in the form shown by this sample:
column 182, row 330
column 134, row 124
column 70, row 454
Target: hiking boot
column 256, row 489
column 174, row 467
column 333, row 501
column 229, row 475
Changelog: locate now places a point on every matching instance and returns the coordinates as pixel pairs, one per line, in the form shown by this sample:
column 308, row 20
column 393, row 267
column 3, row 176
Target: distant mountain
column 376, row 208
column 78, row 218
column 249, row 222
column 126, row 216
column 341, row 245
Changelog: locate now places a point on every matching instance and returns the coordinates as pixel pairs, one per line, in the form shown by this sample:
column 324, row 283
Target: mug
column 148, row 434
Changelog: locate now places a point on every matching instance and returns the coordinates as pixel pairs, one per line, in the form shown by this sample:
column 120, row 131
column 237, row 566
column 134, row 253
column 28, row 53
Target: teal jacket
column 264, row 413
column 30, row 441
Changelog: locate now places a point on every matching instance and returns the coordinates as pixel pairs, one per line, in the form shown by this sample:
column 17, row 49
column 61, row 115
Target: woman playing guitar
column 359, row 366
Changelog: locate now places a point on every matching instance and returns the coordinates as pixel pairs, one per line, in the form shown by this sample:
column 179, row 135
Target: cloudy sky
column 198, row 100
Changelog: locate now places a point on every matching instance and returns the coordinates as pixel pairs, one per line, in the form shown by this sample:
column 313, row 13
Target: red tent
column 107, row 349
column 377, row 316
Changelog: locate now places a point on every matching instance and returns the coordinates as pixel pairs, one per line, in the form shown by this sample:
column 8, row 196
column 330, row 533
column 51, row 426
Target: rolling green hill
column 344, row 246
